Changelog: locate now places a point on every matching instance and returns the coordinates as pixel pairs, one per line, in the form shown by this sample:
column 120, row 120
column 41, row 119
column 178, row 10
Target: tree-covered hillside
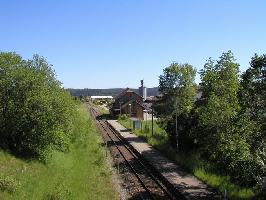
column 108, row 92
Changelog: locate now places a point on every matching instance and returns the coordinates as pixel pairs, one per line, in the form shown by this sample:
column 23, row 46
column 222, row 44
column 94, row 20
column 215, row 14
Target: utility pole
column 130, row 115
column 152, row 121
column 176, row 128
column 120, row 103
column 145, row 128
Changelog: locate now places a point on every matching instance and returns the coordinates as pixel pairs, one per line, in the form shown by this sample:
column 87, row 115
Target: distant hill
column 108, row 92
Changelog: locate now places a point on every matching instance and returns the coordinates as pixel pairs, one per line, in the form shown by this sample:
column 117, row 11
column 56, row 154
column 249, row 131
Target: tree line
column 223, row 118
column 107, row 92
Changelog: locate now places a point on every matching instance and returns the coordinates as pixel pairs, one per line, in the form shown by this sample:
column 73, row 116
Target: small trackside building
column 130, row 103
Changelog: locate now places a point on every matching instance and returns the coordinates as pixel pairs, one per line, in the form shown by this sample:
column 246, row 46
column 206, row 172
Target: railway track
column 138, row 177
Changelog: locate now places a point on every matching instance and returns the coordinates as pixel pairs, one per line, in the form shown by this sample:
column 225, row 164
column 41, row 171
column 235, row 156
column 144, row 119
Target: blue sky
column 115, row 43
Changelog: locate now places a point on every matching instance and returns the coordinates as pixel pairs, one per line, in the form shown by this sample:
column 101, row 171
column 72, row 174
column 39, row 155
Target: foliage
column 253, row 93
column 261, row 161
column 159, row 134
column 177, row 85
column 253, row 103
column 81, row 173
column 178, row 89
column 191, row 161
column 35, row 109
column 220, row 85
column 107, row 92
column 8, row 184
column 224, row 183
column 227, row 132
column 226, row 125
column 123, row 117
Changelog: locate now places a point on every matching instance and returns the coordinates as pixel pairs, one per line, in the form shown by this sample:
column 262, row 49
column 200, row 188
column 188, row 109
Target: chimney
column 143, row 90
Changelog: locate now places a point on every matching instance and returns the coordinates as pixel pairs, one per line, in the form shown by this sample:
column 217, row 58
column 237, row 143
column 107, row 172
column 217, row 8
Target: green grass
column 80, row 174
column 101, row 109
column 223, row 183
column 191, row 162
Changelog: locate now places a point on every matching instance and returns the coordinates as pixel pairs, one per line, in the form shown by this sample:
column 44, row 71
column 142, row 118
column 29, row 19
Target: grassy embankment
column 80, row 174
column 191, row 162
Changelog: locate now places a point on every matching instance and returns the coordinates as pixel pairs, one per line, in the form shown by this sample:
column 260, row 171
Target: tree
column 220, row 85
column 253, row 102
column 178, row 89
column 226, row 131
column 253, row 93
column 261, row 160
column 35, row 111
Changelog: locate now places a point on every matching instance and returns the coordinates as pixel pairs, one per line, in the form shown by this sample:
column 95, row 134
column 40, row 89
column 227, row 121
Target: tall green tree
column 177, row 86
column 253, row 102
column 253, row 93
column 226, row 131
column 220, row 85
column 35, row 111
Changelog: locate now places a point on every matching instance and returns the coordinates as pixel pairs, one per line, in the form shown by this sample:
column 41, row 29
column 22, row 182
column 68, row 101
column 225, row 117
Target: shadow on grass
column 24, row 156
column 104, row 116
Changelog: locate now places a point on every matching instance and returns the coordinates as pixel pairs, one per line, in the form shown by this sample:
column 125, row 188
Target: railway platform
column 175, row 178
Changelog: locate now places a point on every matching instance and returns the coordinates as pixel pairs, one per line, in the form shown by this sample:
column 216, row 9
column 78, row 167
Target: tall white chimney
column 143, row 90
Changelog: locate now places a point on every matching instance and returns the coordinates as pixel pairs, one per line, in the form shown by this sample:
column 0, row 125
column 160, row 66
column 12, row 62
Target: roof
column 101, row 97
column 122, row 93
column 131, row 101
column 125, row 91
column 151, row 99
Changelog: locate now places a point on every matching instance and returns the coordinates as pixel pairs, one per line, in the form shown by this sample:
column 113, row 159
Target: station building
column 130, row 103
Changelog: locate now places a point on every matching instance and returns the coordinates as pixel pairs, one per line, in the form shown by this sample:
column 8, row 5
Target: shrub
column 261, row 161
column 123, row 117
column 35, row 111
column 8, row 184
column 59, row 193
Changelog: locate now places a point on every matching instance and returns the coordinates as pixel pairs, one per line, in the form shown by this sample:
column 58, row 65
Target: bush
column 261, row 161
column 35, row 111
column 61, row 192
column 232, row 150
column 8, row 184
column 123, row 117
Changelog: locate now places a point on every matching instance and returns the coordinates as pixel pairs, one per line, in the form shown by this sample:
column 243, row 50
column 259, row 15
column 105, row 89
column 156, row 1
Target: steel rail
column 130, row 166
column 147, row 170
column 138, row 159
